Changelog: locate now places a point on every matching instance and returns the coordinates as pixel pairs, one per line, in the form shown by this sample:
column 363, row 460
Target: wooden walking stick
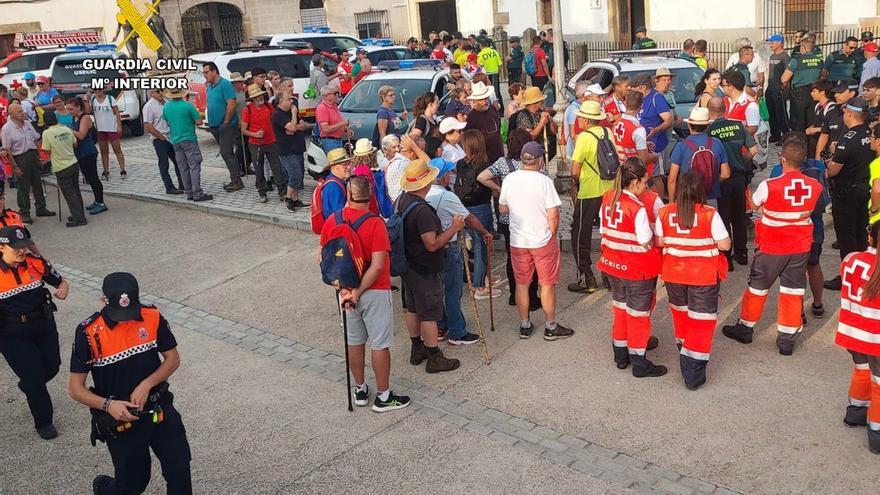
column 546, row 151
column 467, row 270
column 489, row 249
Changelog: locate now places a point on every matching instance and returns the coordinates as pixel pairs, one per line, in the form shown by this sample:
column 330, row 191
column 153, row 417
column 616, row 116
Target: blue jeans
column 453, row 285
column 165, row 153
column 484, row 215
column 328, row 143
column 292, row 166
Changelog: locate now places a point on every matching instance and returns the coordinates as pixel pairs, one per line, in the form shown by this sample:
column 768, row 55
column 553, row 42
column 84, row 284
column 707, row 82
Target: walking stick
column 467, row 270
column 546, row 151
column 489, row 249
column 345, row 345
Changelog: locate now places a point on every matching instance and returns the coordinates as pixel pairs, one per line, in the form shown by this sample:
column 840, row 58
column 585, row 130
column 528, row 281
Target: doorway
column 630, row 14
column 211, row 26
column 437, row 16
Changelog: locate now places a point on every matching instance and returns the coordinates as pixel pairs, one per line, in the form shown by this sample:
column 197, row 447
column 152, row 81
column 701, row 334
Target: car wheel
column 136, row 127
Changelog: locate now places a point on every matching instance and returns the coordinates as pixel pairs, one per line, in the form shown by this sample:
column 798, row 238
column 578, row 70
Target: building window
column 312, row 13
column 373, row 24
column 804, row 14
column 546, row 14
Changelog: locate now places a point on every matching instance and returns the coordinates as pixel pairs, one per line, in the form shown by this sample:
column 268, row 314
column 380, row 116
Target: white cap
column 594, row 89
column 450, row 124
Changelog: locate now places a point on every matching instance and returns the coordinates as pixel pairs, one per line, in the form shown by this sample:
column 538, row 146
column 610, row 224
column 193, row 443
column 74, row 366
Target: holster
column 105, row 426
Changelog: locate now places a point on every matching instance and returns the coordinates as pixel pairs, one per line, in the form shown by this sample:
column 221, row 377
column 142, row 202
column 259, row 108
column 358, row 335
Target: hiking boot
column 45, row 212
column 361, row 397
column 559, row 332
column 856, row 416
column 47, row 432
column 467, row 339
column 644, row 368
column 874, row 441
column 738, row 332
column 785, row 349
column 438, row 363
column 579, row 287
column 693, row 371
column 592, row 285
column 100, row 482
column 525, row 333
column 393, row 403
column 26, row 218
column 653, row 342
column 263, row 198
column 234, row 186
column 833, row 284
column 621, row 357
column 418, row 354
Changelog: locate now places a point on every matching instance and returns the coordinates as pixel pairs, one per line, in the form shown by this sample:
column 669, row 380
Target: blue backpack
column 399, row 264
column 530, row 64
column 343, row 261
column 380, row 188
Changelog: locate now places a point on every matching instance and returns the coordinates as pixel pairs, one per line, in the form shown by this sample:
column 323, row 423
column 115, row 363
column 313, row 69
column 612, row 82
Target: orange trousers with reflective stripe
column 864, row 386
column 792, row 275
column 694, row 316
column 633, row 303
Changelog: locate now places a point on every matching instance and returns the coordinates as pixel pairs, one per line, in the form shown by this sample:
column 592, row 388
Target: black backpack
column 607, row 159
column 399, row 263
column 466, row 185
column 511, row 122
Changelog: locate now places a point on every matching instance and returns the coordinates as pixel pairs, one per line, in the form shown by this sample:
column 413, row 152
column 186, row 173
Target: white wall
column 523, row 15
column 474, row 15
column 849, row 11
column 62, row 15
column 692, row 15
column 579, row 17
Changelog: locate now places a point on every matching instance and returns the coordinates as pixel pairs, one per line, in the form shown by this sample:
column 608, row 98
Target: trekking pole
column 345, row 344
column 489, row 249
column 546, row 151
column 467, row 270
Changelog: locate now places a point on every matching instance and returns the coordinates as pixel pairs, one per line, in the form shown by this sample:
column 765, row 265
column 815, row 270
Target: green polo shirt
column 839, row 66
column 744, row 70
column 182, row 117
column 807, row 69
column 60, row 141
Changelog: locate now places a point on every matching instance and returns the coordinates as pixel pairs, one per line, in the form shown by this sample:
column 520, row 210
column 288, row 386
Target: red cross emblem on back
column 674, row 222
column 797, row 192
column 614, row 220
column 852, row 276
column 15, row 84
column 619, row 131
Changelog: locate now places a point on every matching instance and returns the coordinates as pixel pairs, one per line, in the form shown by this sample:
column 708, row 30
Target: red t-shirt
column 374, row 239
column 259, row 119
column 539, row 67
column 4, row 107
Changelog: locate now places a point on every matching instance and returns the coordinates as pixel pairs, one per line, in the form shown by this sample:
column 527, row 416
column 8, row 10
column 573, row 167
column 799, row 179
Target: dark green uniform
column 744, row 70
column 644, row 44
column 807, row 69
column 514, row 66
column 840, row 66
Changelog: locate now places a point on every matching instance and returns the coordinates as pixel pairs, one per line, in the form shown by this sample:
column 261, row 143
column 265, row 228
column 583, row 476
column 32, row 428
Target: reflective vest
column 649, row 198
column 736, row 110
column 23, row 278
column 859, row 327
column 786, row 227
column 612, row 107
column 622, row 255
column 124, row 340
column 11, row 218
column 623, row 137
column 344, row 69
column 691, row 256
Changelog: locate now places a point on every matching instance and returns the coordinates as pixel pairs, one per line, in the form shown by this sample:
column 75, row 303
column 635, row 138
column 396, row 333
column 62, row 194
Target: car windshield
column 71, row 71
column 288, row 65
column 683, row 85
column 364, row 98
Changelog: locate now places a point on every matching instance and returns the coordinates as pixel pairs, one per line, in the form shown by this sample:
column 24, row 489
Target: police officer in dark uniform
column 841, row 64
column 831, row 124
column 798, row 37
column 642, row 40
column 28, row 336
column 801, row 73
column 849, row 172
column 132, row 409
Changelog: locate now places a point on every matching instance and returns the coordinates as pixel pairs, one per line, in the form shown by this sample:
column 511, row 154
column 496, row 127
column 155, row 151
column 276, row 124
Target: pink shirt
column 19, row 138
column 327, row 114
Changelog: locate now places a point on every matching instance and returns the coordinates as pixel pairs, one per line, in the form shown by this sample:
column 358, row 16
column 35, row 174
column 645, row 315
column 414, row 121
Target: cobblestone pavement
column 530, row 436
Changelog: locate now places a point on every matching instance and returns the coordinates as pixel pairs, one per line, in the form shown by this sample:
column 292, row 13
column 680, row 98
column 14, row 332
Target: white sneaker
column 483, row 293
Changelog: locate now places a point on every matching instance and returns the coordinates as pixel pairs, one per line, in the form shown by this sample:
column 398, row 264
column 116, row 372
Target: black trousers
column 31, row 350
column 533, row 287
column 514, row 76
column 801, row 108
column 68, row 181
column 29, row 163
column 130, row 453
column 732, row 208
column 585, row 213
column 778, row 115
column 88, row 165
column 539, row 82
column 849, row 210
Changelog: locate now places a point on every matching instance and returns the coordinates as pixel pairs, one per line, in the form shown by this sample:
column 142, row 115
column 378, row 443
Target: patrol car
column 320, row 39
column 17, row 64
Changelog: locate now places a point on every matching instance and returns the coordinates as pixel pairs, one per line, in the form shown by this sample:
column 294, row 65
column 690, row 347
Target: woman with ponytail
column 707, row 87
column 692, row 236
column 632, row 265
column 859, row 333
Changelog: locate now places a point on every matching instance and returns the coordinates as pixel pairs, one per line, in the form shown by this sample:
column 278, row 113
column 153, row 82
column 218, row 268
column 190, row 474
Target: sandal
column 123, row 173
column 105, row 175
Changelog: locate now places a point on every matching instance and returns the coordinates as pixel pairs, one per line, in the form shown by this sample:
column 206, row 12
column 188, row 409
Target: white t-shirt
column 719, row 232
column 393, row 172
column 105, row 118
column 153, row 115
column 447, row 205
column 452, row 152
column 529, row 194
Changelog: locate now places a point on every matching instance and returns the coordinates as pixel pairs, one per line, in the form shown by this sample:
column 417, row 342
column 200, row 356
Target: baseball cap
column 871, row 47
column 857, row 104
column 450, row 124
column 531, row 152
column 122, row 296
column 641, row 79
column 776, row 38
column 867, row 35
column 42, row 79
column 846, row 84
column 15, row 237
column 444, row 166
column 29, row 75
column 412, row 40
column 594, row 89
column 641, row 29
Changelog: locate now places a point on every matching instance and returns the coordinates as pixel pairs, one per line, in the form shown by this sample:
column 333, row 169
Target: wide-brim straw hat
column 663, row 72
column 479, row 91
column 255, row 91
column 176, row 93
column 236, row 77
column 698, row 116
column 336, row 156
column 363, row 147
column 533, row 95
column 591, row 110
column 418, row 175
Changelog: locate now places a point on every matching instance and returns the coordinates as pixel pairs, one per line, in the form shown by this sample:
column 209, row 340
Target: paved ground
column 261, row 387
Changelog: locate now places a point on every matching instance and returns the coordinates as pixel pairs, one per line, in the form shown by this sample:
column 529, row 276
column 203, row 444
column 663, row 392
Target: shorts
column 423, row 295
column 371, row 319
column 545, row 259
column 103, row 137
column 661, row 165
column 293, row 167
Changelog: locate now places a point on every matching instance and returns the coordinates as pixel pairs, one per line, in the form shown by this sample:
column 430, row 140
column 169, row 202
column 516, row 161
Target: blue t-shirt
column 654, row 104
column 45, row 97
column 824, row 199
column 217, row 96
column 391, row 117
column 332, row 199
column 86, row 146
column 65, row 119
column 682, row 155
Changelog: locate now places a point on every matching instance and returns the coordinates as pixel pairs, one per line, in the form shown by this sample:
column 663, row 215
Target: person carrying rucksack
column 355, row 231
column 593, row 166
column 329, row 195
column 701, row 153
column 536, row 65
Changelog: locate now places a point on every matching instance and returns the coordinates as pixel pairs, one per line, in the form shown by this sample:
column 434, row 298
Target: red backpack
column 317, row 207
column 703, row 162
column 343, row 261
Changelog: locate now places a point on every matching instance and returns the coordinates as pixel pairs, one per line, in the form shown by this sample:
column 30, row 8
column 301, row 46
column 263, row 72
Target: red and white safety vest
column 736, row 110
column 649, row 198
column 859, row 327
column 786, row 227
column 622, row 255
column 623, row 137
column 691, row 256
column 612, row 107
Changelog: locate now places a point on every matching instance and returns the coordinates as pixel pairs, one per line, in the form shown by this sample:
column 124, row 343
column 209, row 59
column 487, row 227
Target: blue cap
column 778, row 38
column 29, row 75
column 444, row 166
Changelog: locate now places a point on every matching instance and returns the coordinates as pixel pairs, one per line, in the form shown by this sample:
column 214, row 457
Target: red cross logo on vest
column 674, row 222
column 15, row 84
column 797, row 192
column 619, row 131
column 614, row 221
column 858, row 269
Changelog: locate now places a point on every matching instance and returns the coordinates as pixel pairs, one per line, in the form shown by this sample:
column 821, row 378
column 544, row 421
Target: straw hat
column 418, row 175
column 533, row 95
column 363, row 147
column 662, row 72
column 699, row 116
column 236, row 77
column 255, row 91
column 479, row 91
column 176, row 94
column 591, row 110
column 336, row 156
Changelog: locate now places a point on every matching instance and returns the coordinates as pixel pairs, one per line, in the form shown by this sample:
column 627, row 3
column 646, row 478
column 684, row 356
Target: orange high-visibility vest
column 691, row 256
column 859, row 326
column 125, row 339
column 622, row 255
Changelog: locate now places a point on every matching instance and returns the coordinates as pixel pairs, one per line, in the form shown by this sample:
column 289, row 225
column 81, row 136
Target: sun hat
column 236, row 77
column 176, row 93
column 533, row 95
column 363, row 147
column 443, row 165
column 450, row 124
column 591, row 110
column 663, row 72
column 699, row 116
column 417, row 175
column 479, row 91
column 336, row 156
column 255, row 91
